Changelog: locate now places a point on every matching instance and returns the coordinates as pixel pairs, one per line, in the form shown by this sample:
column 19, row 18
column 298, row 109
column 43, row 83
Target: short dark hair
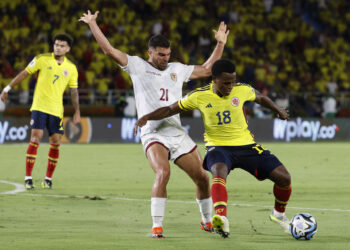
column 221, row 66
column 158, row 41
column 63, row 37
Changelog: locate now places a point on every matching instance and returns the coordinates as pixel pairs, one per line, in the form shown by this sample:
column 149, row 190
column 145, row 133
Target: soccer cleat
column 47, row 184
column 282, row 221
column 221, row 225
column 28, row 184
column 207, row 227
column 157, row 232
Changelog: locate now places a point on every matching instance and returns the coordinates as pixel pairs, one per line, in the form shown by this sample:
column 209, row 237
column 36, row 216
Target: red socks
column 53, row 158
column 30, row 157
column 282, row 195
column 219, row 195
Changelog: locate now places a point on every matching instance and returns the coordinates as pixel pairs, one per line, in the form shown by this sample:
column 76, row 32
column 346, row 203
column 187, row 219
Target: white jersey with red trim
column 154, row 89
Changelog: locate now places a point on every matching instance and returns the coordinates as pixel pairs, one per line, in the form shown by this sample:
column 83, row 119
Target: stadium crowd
column 297, row 52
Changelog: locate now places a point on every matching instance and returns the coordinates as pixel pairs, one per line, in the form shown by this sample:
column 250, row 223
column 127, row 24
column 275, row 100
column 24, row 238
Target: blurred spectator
column 130, row 109
column 282, row 100
column 329, row 107
column 260, row 112
column 120, row 105
column 332, row 87
column 302, row 46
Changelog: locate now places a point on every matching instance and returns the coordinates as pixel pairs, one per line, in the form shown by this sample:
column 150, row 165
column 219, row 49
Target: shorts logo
column 235, row 101
column 173, row 77
column 31, row 122
column 210, row 149
column 65, row 72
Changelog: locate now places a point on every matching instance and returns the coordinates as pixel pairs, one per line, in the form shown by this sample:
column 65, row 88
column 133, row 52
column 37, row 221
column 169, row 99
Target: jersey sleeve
column 34, row 65
column 73, row 81
column 187, row 71
column 250, row 93
column 133, row 64
column 188, row 102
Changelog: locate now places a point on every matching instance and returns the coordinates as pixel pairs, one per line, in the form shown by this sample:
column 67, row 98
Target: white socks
column 205, row 207
column 158, row 210
column 277, row 214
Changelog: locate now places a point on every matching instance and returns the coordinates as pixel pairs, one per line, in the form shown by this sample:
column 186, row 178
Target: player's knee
column 162, row 176
column 35, row 139
column 287, row 180
column 219, row 169
column 284, row 179
column 202, row 180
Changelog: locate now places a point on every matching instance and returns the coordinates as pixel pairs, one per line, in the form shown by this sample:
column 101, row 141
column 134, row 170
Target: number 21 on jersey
column 164, row 93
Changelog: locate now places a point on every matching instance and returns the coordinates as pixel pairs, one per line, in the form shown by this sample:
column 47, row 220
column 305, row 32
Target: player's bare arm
column 265, row 101
column 4, row 94
column 75, row 102
column 158, row 114
column 204, row 70
column 119, row 56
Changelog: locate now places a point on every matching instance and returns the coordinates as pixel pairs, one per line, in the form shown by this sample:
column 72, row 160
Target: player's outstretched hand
column 76, row 117
column 283, row 114
column 4, row 96
column 140, row 123
column 222, row 33
column 89, row 17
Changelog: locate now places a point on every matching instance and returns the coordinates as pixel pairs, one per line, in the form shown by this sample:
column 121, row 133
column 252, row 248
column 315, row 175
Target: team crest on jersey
column 235, row 101
column 173, row 76
column 65, row 72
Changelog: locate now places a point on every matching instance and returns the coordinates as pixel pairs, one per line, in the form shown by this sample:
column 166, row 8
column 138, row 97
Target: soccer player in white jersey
column 158, row 83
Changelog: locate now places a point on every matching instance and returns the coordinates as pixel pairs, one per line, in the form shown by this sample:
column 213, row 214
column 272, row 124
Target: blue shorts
column 41, row 120
column 252, row 158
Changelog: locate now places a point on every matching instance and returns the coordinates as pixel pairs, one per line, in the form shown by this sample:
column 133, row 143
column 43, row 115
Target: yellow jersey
column 223, row 117
column 51, row 82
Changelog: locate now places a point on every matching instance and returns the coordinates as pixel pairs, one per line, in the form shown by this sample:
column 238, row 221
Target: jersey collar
column 64, row 59
column 216, row 95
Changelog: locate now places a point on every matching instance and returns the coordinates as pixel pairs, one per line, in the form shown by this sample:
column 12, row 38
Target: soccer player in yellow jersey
column 54, row 73
column 229, row 143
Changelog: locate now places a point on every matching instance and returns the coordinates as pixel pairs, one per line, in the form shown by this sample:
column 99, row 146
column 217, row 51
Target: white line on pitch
column 20, row 188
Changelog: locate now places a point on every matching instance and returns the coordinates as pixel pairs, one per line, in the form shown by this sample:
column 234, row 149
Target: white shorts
column 176, row 145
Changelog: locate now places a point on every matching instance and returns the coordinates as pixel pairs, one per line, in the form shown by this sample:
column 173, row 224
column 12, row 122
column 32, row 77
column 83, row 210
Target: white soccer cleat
column 282, row 221
column 221, row 225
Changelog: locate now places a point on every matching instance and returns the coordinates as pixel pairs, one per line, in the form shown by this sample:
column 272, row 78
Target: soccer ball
column 303, row 226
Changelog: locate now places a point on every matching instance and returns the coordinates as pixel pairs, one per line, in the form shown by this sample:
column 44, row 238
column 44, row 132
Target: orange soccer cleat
column 207, row 227
column 157, row 232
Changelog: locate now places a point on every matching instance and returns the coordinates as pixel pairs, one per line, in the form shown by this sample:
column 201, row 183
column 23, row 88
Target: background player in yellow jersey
column 229, row 143
column 55, row 72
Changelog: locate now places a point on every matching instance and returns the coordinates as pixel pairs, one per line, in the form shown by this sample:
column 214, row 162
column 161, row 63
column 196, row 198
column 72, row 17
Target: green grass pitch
column 70, row 217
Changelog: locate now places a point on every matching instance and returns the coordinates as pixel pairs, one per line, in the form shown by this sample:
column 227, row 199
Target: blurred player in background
column 158, row 83
column 229, row 143
column 55, row 72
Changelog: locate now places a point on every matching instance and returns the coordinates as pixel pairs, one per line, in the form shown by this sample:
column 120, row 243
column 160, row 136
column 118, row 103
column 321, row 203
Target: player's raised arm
column 107, row 48
column 4, row 94
column 204, row 70
column 265, row 101
column 158, row 114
